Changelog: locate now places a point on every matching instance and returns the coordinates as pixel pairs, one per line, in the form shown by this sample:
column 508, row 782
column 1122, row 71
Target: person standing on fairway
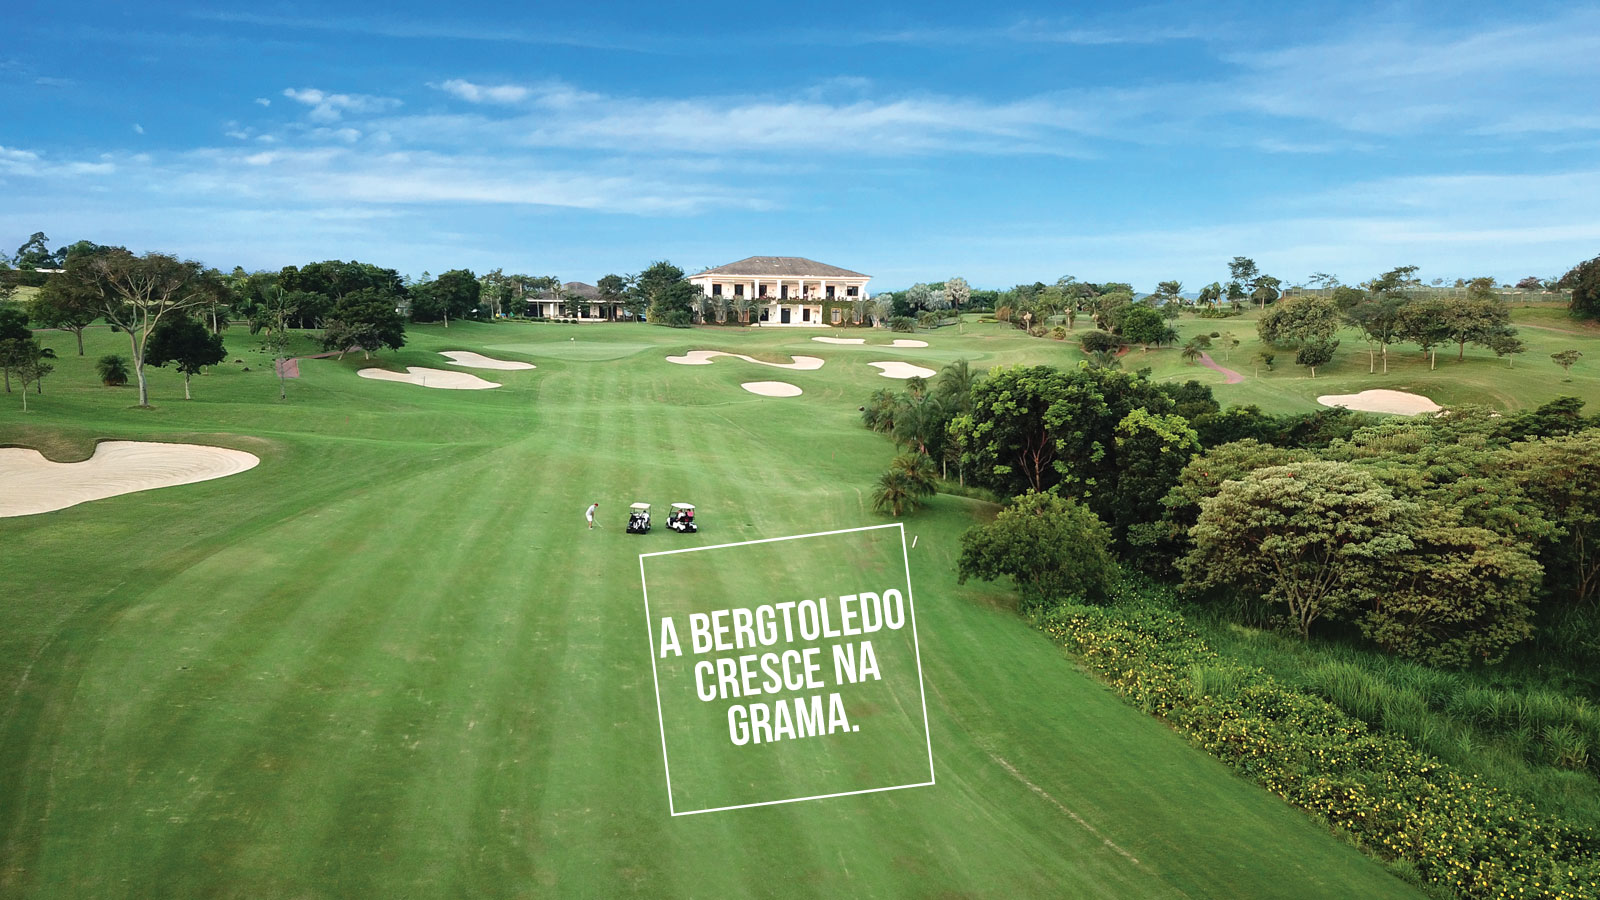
column 589, row 514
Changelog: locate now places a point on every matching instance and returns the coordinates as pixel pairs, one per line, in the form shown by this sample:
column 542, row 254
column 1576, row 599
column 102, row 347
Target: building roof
column 586, row 291
column 783, row 266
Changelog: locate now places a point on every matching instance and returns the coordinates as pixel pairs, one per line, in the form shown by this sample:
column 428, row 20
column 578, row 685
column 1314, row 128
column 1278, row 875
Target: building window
column 838, row 316
column 783, row 292
column 716, row 290
column 761, row 291
column 805, row 314
column 830, row 292
column 738, row 290
column 852, row 291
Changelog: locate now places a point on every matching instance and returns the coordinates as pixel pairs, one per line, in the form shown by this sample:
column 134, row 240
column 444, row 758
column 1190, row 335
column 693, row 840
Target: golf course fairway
column 391, row 661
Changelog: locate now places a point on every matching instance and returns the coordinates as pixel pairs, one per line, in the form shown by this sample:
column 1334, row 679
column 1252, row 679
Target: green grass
column 1502, row 725
column 390, row 660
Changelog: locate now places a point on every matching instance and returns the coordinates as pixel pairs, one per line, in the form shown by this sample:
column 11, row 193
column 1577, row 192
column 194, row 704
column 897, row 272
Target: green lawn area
column 391, row 661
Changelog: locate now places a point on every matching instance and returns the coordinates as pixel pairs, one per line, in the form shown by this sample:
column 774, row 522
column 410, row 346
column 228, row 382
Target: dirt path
column 1229, row 376
column 290, row 368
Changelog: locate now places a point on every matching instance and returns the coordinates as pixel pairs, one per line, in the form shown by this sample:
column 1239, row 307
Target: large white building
column 795, row 290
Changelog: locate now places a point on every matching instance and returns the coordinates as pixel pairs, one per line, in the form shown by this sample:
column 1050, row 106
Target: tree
column 454, row 293
column 1242, row 275
column 1264, row 358
column 1230, row 343
column 1394, row 281
column 1196, row 347
column 663, row 290
column 1316, row 538
column 1301, row 320
column 1427, row 323
column 1565, row 359
column 1561, row 476
column 187, row 343
column 1151, row 450
column 902, row 488
column 1379, row 322
column 881, row 309
column 1266, row 290
column 367, row 319
column 919, row 422
column 1210, row 295
column 112, row 369
column 72, row 302
column 28, row 360
column 1479, row 319
column 1051, row 547
column 275, row 314
column 953, row 387
column 138, row 292
column 957, row 291
column 1462, row 595
column 1143, row 325
column 1584, row 282
column 34, row 253
column 13, row 328
column 1313, row 355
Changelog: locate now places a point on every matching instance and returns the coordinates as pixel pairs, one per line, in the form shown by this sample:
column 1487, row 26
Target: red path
column 1229, row 375
column 290, row 368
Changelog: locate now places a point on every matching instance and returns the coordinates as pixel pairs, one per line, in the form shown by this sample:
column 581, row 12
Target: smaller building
column 591, row 305
column 790, row 290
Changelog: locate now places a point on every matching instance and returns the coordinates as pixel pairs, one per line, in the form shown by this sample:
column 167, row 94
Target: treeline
column 1450, row 540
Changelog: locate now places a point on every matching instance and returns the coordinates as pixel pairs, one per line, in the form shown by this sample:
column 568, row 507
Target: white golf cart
column 681, row 519
column 639, row 518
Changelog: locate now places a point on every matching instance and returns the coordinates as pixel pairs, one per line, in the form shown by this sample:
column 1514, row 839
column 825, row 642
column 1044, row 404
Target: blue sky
column 1002, row 143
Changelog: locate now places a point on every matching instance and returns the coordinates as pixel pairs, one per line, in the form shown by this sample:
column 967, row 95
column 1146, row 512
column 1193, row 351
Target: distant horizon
column 1136, row 144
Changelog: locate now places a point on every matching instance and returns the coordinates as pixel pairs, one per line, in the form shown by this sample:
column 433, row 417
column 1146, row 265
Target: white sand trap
column 479, row 361
column 908, row 342
column 433, row 378
column 31, row 484
column 1381, row 401
column 902, row 370
column 704, row 358
column 825, row 340
column 771, row 388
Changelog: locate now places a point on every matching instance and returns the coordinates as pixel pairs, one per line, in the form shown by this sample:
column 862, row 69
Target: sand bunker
column 433, row 378
column 902, row 370
column 31, row 484
column 479, row 361
column 771, row 388
column 1381, row 401
column 704, row 358
column 897, row 342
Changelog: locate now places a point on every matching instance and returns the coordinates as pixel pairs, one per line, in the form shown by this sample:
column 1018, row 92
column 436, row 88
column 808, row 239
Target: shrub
column 678, row 318
column 1442, row 829
column 113, row 370
column 902, row 323
column 1059, row 333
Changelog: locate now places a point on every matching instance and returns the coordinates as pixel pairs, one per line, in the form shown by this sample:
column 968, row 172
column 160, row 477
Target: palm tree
column 954, row 386
column 894, row 494
column 1104, row 359
column 881, row 310
column 878, row 414
column 918, row 470
column 742, row 306
column 918, row 421
column 719, row 306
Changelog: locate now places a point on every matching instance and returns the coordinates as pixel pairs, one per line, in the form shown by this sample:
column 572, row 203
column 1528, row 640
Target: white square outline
column 916, row 650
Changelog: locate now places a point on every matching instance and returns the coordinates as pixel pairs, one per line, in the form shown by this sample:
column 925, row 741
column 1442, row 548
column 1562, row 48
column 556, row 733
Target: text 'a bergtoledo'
column 793, row 664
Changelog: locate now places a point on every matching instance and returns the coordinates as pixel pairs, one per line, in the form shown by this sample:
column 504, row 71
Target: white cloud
column 482, row 93
column 263, row 101
column 137, row 128
column 327, row 108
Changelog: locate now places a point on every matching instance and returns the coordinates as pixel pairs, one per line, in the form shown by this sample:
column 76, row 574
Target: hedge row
column 1432, row 824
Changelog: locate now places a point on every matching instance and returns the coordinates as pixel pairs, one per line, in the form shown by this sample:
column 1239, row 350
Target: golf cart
column 639, row 518
column 681, row 519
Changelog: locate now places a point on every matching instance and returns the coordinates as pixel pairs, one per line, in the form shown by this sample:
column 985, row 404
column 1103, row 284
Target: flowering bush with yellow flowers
column 1433, row 824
